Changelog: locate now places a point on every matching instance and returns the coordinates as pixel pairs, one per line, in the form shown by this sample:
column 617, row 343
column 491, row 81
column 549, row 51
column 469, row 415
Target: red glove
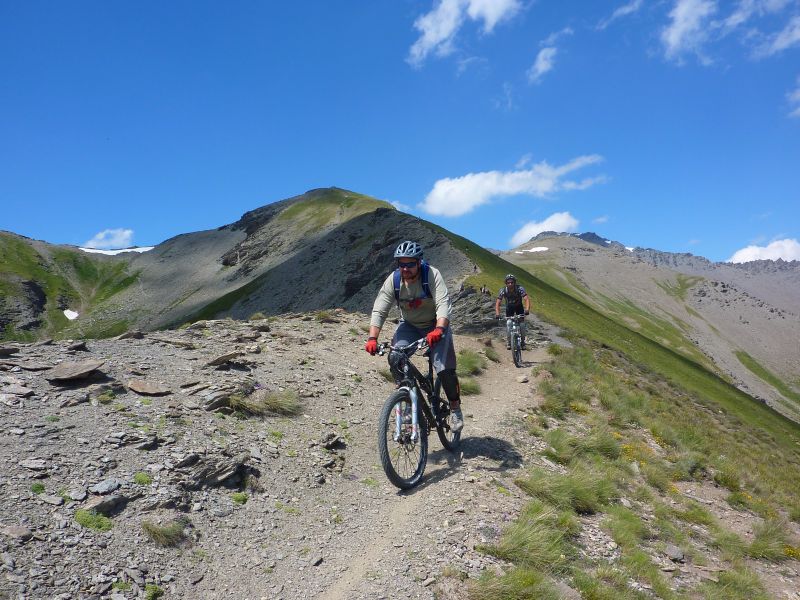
column 372, row 346
column 435, row 336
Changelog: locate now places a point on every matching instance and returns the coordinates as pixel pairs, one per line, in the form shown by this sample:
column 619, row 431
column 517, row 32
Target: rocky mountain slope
column 744, row 318
column 323, row 249
column 134, row 470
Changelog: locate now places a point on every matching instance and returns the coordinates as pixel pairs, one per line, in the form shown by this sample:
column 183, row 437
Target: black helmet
column 511, row 277
column 408, row 249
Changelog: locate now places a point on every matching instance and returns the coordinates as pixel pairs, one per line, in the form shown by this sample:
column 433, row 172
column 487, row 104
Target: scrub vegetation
column 627, row 438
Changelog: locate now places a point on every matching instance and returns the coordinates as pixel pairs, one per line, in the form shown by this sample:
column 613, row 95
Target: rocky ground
column 140, row 430
column 320, row 518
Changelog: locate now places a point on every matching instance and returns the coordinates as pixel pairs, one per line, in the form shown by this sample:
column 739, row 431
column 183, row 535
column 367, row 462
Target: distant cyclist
column 517, row 303
column 419, row 290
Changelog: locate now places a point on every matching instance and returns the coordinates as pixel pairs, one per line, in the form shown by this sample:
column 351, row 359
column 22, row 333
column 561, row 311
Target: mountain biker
column 420, row 292
column 515, row 297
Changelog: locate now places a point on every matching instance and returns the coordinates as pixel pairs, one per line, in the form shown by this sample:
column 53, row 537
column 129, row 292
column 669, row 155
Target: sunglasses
column 406, row 265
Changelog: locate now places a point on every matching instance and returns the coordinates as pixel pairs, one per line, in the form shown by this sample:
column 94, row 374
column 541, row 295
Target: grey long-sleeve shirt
column 414, row 309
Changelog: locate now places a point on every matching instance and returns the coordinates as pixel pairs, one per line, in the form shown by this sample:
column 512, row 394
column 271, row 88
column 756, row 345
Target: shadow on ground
column 495, row 449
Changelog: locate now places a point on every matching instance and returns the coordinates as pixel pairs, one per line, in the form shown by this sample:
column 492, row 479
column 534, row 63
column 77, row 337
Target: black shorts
column 514, row 310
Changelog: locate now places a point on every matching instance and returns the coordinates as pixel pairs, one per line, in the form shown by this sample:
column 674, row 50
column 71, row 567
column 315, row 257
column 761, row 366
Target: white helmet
column 408, row 249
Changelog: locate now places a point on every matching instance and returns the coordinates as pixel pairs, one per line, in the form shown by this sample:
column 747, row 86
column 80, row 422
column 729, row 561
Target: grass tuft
column 469, row 386
column 770, row 541
column 37, row 488
column 152, row 592
column 492, row 354
column 741, row 584
column 627, row 529
column 142, row 478
column 93, row 520
column 517, row 584
column 239, row 497
column 537, row 540
column 470, row 363
column 582, row 490
column 168, row 535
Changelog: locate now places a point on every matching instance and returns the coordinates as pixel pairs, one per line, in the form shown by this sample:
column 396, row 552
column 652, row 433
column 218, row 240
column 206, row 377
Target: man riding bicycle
column 515, row 296
column 420, row 292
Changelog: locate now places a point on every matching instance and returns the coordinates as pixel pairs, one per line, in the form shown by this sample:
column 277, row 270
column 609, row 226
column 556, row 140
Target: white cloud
column 746, row 9
column 111, row 238
column 558, row 222
column 506, row 100
column 793, row 98
column 600, row 220
column 787, row 249
column 786, row 38
column 688, row 29
column 524, row 161
column 400, row 206
column 551, row 39
column 439, row 27
column 622, row 11
column 543, row 63
column 453, row 197
column 471, row 62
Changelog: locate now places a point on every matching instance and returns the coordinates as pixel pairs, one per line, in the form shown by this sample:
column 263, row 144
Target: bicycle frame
column 419, row 386
column 515, row 321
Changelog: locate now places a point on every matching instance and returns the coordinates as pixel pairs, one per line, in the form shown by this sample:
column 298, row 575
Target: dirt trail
column 432, row 522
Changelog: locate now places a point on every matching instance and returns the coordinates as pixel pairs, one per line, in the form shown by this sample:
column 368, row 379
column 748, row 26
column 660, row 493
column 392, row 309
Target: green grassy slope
column 67, row 277
column 334, row 207
column 582, row 321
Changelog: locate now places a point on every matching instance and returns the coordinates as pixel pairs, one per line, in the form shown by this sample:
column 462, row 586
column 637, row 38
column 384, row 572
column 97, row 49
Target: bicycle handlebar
column 410, row 349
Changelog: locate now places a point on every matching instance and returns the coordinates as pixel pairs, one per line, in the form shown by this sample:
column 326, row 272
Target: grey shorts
column 443, row 353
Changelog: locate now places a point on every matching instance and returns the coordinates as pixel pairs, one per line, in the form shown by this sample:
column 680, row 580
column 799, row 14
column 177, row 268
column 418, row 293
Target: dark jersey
column 512, row 298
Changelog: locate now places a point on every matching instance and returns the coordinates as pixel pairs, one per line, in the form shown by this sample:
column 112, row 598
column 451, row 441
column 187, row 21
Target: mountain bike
column 516, row 338
column 409, row 414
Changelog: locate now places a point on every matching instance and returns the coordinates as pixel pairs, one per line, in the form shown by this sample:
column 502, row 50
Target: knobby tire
column 517, row 351
column 403, row 463
column 450, row 439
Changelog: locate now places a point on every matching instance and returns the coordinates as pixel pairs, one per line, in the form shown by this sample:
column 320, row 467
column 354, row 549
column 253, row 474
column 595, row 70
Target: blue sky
column 671, row 124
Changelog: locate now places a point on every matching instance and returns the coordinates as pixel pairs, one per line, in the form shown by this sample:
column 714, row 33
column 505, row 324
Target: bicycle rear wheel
column 403, row 458
column 450, row 439
column 516, row 350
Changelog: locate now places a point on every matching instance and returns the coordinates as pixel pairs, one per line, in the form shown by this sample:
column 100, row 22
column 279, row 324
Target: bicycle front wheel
column 403, row 454
column 516, row 349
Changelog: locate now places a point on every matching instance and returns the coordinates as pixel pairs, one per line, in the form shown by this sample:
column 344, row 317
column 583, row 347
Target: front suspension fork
column 398, row 418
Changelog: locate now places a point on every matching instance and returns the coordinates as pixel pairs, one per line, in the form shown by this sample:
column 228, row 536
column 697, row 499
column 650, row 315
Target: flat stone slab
column 105, row 504
column 32, row 366
column 147, row 388
column 67, row 371
column 34, row 464
column 18, row 390
column 221, row 360
column 106, row 486
column 18, row 532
